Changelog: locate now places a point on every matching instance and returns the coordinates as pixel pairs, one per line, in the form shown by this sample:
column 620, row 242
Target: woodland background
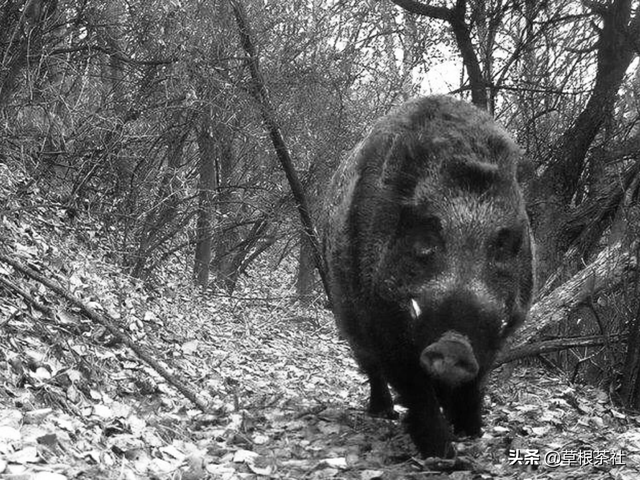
column 190, row 142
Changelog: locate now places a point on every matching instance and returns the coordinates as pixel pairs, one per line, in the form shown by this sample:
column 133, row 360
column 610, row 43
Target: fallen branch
column 555, row 345
column 29, row 298
column 609, row 270
column 105, row 321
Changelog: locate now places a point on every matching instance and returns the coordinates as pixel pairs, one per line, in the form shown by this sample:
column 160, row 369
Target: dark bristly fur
column 430, row 264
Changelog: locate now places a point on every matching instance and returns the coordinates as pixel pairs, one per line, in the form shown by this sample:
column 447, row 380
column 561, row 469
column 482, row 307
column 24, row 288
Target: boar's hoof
column 385, row 412
column 380, row 401
column 450, row 360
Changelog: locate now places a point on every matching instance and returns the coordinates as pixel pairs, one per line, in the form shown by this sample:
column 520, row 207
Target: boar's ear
column 525, row 169
column 404, row 164
column 504, row 150
column 500, row 146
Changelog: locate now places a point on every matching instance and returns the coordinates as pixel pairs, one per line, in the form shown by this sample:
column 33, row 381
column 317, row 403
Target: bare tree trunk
column 304, row 279
column 259, row 91
column 223, row 263
column 164, row 210
column 207, row 187
column 456, row 18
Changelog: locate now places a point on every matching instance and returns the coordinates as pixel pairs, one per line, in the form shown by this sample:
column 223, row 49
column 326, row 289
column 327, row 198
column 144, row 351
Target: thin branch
column 441, row 13
column 119, row 56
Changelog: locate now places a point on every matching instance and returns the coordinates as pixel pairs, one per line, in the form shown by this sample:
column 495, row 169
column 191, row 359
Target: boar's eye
column 414, row 222
column 422, row 234
column 507, row 243
column 428, row 239
column 424, row 251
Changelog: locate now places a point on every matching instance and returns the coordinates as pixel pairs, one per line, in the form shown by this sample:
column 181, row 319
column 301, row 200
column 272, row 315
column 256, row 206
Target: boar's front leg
column 466, row 409
column 380, row 401
column 426, row 423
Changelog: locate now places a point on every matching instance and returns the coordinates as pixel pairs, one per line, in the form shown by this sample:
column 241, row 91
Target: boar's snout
column 450, row 359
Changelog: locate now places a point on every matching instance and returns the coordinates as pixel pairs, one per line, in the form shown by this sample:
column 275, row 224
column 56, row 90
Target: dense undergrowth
column 285, row 399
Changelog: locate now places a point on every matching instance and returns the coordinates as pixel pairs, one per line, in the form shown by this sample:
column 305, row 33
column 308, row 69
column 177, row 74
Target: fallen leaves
column 286, row 400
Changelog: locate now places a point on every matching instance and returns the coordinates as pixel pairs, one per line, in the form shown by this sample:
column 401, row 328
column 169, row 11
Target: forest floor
column 285, row 398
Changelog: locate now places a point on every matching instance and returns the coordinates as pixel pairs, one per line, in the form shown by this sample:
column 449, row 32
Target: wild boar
column 430, row 261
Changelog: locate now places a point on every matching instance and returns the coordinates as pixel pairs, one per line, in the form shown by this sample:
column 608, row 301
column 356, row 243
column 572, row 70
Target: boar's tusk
column 415, row 309
column 503, row 326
